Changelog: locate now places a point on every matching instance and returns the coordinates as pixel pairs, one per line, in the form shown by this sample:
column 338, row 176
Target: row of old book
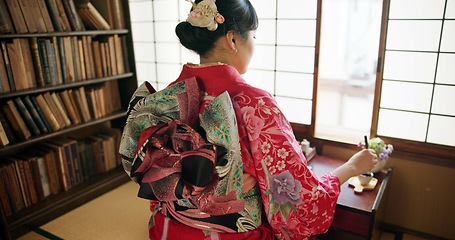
column 37, row 62
column 42, row 16
column 55, row 166
column 34, row 115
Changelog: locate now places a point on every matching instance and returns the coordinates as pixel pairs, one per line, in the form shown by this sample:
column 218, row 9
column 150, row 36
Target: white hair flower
column 205, row 14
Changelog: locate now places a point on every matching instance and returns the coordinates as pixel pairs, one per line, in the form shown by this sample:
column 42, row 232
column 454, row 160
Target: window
column 410, row 86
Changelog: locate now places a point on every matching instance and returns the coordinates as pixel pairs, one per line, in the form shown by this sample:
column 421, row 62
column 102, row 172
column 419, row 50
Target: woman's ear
column 231, row 38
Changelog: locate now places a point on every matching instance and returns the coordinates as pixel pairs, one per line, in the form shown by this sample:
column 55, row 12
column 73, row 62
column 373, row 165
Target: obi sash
column 189, row 162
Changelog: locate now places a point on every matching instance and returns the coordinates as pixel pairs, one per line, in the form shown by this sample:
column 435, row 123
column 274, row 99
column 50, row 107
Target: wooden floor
column 119, row 214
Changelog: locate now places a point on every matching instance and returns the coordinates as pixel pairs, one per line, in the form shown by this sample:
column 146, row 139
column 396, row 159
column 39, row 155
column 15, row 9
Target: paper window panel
column 410, row 66
column 357, row 112
column 263, row 79
column 404, row 125
column 265, row 8
column 141, row 11
column 168, row 53
column 295, row 59
column 450, row 9
column 406, row 96
column 296, row 85
column 328, row 116
column 416, row 35
column 167, row 73
column 297, row 9
column 296, row 32
column 295, row 110
column 443, row 100
column 165, row 32
column 416, row 9
column 265, row 34
column 166, row 10
column 143, row 32
column 146, row 71
column 448, row 36
column 263, row 58
column 442, row 130
column 144, row 51
column 446, row 69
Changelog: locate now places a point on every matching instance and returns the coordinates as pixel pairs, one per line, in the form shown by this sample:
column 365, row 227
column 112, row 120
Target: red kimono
column 296, row 204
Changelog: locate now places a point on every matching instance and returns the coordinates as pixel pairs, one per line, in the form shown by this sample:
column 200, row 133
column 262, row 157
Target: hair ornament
column 205, row 14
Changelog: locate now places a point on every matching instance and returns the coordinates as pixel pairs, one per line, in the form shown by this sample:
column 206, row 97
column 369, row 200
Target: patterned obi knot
column 187, row 161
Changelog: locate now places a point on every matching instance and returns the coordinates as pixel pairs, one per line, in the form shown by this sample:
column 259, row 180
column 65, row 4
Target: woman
column 280, row 198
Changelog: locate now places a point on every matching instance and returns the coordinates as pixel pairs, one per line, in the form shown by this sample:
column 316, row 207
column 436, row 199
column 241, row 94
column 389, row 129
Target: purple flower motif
column 285, row 188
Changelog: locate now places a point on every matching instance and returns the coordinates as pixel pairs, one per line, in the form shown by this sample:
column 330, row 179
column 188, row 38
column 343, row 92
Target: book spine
column 7, row 127
column 4, row 194
column 3, row 137
column 50, row 117
column 57, row 60
column 45, row 13
column 54, row 15
column 16, row 16
column 27, row 116
column 16, row 121
column 44, row 178
column 61, row 55
column 6, row 22
column 52, row 62
column 37, row 62
column 41, row 114
column 35, row 115
column 13, row 179
column 28, row 17
column 44, row 61
column 37, row 16
column 28, row 63
column 9, row 71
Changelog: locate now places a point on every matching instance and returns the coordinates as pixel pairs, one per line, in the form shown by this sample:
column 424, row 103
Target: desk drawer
column 352, row 222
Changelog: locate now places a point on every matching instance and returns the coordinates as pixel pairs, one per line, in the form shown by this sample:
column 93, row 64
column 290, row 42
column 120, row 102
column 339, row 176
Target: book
column 57, row 58
column 37, row 66
column 16, row 198
column 61, row 54
column 17, row 64
column 91, row 18
column 28, row 16
column 64, row 95
column 50, row 165
column 27, row 117
column 98, row 67
column 14, row 118
column 118, row 54
column 63, row 16
column 74, row 103
column 112, row 55
column 80, row 98
column 54, row 15
column 54, row 109
column 5, row 191
column 4, row 76
column 16, row 16
column 29, row 178
column 21, row 178
column 126, row 63
column 44, row 60
column 60, row 107
column 35, row 115
column 45, row 14
column 3, row 137
column 28, row 62
column 7, row 128
column 60, row 163
column 76, row 58
column 73, row 17
column 42, row 178
column 6, row 24
column 48, row 114
column 36, row 14
column 69, row 60
column 82, row 62
column 53, row 67
column 8, row 69
column 40, row 113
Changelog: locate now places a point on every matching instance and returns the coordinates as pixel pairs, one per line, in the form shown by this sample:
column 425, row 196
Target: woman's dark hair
column 239, row 15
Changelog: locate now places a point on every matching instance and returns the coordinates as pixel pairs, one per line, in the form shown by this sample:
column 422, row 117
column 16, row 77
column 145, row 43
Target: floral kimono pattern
column 294, row 202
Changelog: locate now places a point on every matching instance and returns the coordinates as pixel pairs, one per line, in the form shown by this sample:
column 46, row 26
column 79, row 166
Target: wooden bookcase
column 37, row 214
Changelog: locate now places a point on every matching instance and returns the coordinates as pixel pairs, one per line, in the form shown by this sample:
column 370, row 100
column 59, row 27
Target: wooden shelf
column 54, row 206
column 64, row 34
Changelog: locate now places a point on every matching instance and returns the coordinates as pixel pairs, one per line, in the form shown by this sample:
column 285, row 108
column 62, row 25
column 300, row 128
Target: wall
column 420, row 196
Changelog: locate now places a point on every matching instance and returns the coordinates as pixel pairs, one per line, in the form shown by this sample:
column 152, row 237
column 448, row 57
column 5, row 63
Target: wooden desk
column 355, row 213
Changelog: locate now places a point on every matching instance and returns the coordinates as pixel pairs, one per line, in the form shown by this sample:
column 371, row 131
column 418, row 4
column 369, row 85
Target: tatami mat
column 118, row 214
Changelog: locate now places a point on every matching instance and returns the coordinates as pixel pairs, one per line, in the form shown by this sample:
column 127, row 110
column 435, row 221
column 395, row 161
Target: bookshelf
column 87, row 69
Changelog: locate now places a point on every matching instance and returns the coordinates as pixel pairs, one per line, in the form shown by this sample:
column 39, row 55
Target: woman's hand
column 361, row 162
